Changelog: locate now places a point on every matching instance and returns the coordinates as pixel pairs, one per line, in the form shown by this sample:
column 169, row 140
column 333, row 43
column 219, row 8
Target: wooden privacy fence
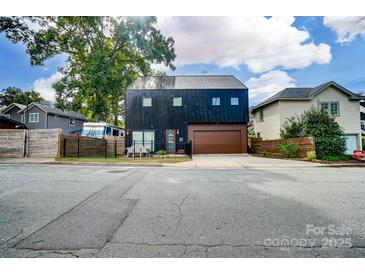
column 270, row 147
column 17, row 143
column 79, row 146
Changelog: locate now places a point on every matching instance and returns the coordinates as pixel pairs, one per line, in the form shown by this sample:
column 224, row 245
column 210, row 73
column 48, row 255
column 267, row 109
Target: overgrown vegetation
column 161, row 152
column 104, row 55
column 323, row 127
column 288, row 150
column 16, row 95
column 311, row 155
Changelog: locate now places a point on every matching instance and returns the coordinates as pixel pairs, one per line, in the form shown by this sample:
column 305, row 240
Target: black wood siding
column 196, row 108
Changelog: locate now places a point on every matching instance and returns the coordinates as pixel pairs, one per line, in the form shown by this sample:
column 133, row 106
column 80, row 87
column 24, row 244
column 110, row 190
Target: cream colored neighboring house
column 271, row 114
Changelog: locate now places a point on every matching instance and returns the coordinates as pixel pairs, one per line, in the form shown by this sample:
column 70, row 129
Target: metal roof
column 4, row 117
column 304, row 94
column 187, row 82
column 54, row 110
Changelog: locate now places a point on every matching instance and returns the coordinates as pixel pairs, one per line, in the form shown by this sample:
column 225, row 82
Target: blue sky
column 267, row 54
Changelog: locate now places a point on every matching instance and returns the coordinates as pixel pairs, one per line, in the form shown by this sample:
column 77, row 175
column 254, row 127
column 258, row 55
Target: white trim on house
column 33, row 114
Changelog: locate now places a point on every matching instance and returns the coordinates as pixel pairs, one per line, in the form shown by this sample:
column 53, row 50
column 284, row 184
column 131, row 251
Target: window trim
column 261, row 115
column 72, row 124
column 218, row 102
column 173, row 101
column 329, row 107
column 238, row 101
column 143, row 102
column 36, row 115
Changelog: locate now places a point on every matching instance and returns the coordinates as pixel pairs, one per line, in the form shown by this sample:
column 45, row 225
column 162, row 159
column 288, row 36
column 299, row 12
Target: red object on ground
column 359, row 154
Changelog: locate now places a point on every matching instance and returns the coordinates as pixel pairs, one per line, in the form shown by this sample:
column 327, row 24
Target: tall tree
column 16, row 95
column 105, row 54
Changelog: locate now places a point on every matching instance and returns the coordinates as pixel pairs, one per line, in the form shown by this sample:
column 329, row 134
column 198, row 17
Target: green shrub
column 289, row 150
column 311, row 155
column 161, row 152
column 337, row 158
column 322, row 126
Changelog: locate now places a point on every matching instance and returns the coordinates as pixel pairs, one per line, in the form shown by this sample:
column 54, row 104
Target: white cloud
column 44, row 86
column 268, row 84
column 346, row 28
column 260, row 43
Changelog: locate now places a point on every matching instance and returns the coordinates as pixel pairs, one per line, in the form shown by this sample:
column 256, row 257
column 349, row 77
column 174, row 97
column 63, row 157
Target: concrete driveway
column 234, row 161
column 80, row 211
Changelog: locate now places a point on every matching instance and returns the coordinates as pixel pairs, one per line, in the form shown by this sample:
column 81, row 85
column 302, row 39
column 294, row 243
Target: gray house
column 12, row 111
column 37, row 116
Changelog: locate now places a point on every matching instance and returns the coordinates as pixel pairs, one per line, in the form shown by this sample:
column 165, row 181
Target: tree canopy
column 104, row 55
column 16, row 95
column 319, row 124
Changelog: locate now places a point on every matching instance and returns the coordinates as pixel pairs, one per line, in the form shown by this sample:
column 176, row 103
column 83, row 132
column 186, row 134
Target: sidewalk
column 237, row 161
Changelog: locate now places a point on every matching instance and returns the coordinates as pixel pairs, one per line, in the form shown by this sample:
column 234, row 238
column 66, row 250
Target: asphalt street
column 81, row 211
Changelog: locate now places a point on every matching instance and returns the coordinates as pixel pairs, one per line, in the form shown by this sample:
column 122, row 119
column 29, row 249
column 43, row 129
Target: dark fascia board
column 254, row 108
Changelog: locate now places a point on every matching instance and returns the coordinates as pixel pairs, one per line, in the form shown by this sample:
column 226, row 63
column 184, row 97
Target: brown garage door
column 217, row 141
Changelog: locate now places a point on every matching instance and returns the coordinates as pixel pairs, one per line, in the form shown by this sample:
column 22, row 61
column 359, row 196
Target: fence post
column 106, row 148
column 134, row 149
column 64, row 147
column 151, row 151
column 78, row 147
column 115, row 148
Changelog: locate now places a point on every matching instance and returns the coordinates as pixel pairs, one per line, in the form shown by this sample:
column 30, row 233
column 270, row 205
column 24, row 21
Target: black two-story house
column 168, row 112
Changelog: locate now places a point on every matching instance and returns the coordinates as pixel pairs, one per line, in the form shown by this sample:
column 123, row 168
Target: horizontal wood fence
column 79, row 146
column 270, row 147
column 17, row 143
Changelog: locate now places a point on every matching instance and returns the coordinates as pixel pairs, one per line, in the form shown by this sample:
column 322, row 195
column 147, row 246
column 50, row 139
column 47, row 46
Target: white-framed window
column 216, row 101
column 235, row 101
column 331, row 107
column 72, row 122
column 22, row 118
column 177, row 101
column 145, row 138
column 56, row 116
column 7, row 115
column 33, row 117
column 147, row 102
column 261, row 115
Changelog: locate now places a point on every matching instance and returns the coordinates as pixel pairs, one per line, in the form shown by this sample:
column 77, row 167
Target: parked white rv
column 102, row 130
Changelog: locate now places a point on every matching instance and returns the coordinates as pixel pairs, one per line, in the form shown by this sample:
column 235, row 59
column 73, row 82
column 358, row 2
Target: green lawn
column 137, row 160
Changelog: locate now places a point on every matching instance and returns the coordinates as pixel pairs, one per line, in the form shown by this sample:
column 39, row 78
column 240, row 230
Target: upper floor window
column 331, row 107
column 147, row 102
column 235, row 101
column 216, row 101
column 115, row 132
column 261, row 115
column 177, row 101
column 33, row 117
column 72, row 122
